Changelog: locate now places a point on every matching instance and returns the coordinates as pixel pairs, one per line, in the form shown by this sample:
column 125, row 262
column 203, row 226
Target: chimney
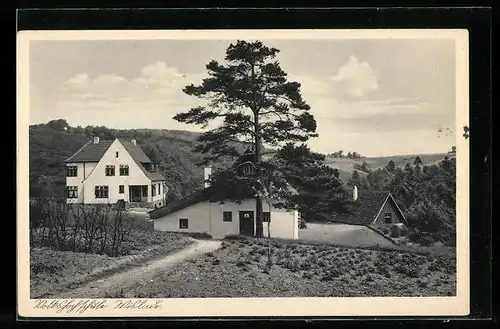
column 96, row 140
column 207, row 173
column 355, row 193
column 134, row 142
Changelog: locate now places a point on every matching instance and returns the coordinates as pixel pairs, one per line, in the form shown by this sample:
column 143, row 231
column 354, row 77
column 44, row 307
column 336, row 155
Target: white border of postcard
column 245, row 307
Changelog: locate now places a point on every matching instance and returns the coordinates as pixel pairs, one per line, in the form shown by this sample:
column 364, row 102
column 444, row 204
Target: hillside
column 50, row 144
column 346, row 165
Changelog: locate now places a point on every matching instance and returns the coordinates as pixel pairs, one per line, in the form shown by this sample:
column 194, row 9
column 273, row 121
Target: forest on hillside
column 50, row 144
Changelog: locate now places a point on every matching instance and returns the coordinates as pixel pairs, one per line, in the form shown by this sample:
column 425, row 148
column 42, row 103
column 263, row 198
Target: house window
column 159, row 189
column 71, row 171
column 121, row 189
column 110, row 170
column 72, row 192
column 183, row 223
column 117, row 154
column 388, row 217
column 227, row 216
column 101, row 192
column 153, row 190
column 123, row 170
column 145, row 191
column 266, row 216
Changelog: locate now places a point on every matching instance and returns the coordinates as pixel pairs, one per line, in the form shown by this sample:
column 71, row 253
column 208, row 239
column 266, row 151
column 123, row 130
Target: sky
column 377, row 97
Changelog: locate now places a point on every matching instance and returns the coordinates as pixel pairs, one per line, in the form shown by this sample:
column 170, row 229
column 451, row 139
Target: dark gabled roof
column 90, row 152
column 135, row 151
column 140, row 157
column 248, row 156
column 93, row 152
column 364, row 210
column 193, row 198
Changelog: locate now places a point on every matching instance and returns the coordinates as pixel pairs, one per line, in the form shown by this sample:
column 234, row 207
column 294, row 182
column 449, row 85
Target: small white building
column 200, row 213
column 104, row 172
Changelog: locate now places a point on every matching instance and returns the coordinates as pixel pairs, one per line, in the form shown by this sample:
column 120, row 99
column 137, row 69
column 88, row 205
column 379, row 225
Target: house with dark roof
column 200, row 212
column 372, row 208
column 112, row 170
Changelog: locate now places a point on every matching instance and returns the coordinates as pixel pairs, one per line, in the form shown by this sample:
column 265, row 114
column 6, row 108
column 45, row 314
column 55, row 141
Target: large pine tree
column 252, row 100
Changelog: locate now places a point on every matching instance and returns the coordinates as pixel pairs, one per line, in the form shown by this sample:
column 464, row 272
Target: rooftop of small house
column 365, row 208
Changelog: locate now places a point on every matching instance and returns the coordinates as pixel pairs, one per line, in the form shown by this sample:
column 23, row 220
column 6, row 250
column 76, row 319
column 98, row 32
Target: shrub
column 369, row 278
column 411, row 270
column 322, row 263
column 292, row 265
column 200, row 235
column 444, row 263
column 305, row 265
column 79, row 228
column 262, row 251
column 383, row 269
column 234, row 237
column 307, row 275
column 422, row 282
column 426, row 240
column 331, row 274
column 386, row 230
column 395, row 231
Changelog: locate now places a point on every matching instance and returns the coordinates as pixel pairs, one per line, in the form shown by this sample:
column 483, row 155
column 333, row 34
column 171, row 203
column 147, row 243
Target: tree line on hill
column 51, row 143
column 348, row 155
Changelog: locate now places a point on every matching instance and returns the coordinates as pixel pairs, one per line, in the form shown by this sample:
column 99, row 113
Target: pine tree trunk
column 259, row 227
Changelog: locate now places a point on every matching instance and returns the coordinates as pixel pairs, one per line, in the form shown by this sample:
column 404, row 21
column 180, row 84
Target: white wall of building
column 284, row 224
column 83, row 172
column 196, row 214
column 96, row 176
column 207, row 217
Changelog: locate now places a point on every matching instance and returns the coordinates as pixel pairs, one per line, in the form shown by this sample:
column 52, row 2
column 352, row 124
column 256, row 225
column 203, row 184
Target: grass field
column 343, row 235
column 53, row 270
column 239, row 269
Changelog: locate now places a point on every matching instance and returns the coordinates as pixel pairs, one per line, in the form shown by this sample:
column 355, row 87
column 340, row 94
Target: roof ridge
column 79, row 150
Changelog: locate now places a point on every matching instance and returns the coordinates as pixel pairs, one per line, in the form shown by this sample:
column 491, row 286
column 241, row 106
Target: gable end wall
column 389, row 207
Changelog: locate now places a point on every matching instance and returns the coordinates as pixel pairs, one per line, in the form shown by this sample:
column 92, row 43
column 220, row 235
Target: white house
column 200, row 213
column 112, row 170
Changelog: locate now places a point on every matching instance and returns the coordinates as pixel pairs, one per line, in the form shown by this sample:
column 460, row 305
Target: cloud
column 158, row 86
column 356, row 78
column 78, row 81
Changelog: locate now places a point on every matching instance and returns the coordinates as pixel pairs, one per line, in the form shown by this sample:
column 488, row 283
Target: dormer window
column 151, row 167
column 246, row 169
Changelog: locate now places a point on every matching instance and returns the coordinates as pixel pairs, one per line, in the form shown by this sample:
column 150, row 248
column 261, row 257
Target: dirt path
column 114, row 283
